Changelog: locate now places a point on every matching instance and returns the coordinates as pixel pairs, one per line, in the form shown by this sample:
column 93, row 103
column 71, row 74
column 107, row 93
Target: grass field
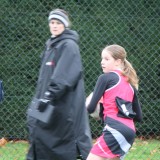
column 141, row 150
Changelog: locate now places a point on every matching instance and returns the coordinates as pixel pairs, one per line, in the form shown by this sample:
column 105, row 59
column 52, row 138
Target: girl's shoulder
column 110, row 76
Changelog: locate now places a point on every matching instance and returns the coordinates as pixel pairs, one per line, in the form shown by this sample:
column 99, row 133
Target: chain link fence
column 24, row 29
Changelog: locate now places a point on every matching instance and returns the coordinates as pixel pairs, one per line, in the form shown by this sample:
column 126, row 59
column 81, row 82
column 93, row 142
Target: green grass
column 141, row 150
column 144, row 150
column 14, row 150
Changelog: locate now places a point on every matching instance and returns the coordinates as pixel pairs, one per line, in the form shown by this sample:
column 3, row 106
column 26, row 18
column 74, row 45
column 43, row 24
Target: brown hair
column 118, row 52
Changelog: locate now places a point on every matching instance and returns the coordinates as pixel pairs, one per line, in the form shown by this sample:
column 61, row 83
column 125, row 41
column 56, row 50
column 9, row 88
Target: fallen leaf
column 153, row 151
column 3, row 141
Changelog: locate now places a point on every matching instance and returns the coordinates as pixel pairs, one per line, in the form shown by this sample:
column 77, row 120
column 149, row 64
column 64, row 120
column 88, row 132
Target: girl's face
column 108, row 63
column 56, row 27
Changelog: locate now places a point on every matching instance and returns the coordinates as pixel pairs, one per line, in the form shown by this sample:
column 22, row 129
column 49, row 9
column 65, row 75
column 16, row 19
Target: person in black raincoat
column 60, row 82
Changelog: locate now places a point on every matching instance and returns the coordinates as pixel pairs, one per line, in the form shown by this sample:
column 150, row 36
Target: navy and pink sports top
column 110, row 85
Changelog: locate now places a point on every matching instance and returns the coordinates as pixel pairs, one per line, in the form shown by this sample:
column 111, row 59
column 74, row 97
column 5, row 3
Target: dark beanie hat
column 59, row 15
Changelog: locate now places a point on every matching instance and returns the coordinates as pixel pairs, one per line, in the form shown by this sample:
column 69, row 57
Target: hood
column 67, row 34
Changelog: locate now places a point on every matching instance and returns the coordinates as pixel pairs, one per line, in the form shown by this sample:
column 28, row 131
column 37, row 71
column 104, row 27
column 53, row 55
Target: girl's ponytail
column 130, row 73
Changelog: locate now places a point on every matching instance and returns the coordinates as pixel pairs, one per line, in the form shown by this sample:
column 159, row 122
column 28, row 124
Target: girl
column 118, row 86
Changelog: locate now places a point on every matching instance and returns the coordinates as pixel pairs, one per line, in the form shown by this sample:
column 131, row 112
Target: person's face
column 56, row 27
column 108, row 63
